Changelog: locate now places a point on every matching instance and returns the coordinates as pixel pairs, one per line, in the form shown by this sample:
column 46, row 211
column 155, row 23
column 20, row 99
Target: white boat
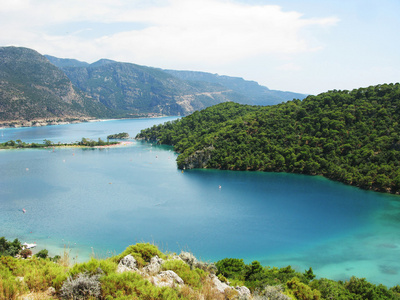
column 28, row 246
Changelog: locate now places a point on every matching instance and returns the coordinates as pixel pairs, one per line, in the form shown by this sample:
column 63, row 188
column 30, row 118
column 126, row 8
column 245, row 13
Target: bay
column 99, row 201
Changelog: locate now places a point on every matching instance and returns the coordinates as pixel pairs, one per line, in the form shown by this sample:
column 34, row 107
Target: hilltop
column 348, row 136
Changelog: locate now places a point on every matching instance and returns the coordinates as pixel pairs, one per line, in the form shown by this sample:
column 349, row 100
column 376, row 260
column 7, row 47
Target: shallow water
column 102, row 200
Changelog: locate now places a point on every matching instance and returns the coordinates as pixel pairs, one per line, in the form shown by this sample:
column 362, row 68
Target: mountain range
column 42, row 87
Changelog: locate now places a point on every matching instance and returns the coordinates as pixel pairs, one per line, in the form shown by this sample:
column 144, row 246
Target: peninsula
column 18, row 144
column 347, row 136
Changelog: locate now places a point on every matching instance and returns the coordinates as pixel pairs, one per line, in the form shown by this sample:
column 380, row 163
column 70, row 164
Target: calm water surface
column 102, row 200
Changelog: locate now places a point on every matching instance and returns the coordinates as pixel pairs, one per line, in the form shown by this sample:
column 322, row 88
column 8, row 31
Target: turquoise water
column 102, row 200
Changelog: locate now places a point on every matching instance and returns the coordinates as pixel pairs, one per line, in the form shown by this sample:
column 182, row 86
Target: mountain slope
column 33, row 88
column 349, row 136
column 135, row 89
column 253, row 93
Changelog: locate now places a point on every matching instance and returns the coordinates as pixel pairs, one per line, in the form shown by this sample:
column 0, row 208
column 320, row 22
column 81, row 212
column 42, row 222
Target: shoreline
column 117, row 144
column 58, row 121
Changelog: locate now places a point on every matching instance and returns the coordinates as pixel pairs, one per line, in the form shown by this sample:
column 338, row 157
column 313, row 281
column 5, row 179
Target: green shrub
column 302, row 291
column 38, row 274
column 367, row 290
column 231, row 268
column 141, row 252
column 10, row 286
column 130, row 285
column 94, row 267
column 330, row 289
column 192, row 278
column 42, row 254
column 9, row 248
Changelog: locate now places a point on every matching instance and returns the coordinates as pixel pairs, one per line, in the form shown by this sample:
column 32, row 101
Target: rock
column 177, row 257
column 191, row 260
column 198, row 159
column 51, row 291
column 155, row 265
column 243, row 291
column 188, row 258
column 167, row 278
column 127, row 264
column 220, row 286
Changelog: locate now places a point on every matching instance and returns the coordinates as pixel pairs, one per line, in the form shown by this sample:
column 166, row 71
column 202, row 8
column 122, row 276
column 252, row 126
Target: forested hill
column 349, row 136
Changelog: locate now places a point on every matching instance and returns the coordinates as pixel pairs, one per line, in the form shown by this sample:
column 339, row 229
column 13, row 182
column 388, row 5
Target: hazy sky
column 307, row 46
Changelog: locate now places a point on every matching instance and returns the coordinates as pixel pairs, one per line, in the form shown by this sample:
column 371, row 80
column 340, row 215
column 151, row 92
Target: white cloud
column 289, row 67
column 201, row 31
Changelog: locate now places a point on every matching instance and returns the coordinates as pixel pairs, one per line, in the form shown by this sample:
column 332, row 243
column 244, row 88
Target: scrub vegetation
column 18, row 144
column 348, row 136
column 41, row 277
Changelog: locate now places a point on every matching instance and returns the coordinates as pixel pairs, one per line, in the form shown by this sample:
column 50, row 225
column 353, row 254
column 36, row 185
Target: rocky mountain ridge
column 38, row 89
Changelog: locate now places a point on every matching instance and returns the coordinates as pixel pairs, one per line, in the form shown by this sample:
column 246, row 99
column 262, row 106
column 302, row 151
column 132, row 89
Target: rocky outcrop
column 219, row 285
column 243, row 291
column 155, row 265
column 167, row 278
column 127, row 264
column 198, row 159
column 191, row 260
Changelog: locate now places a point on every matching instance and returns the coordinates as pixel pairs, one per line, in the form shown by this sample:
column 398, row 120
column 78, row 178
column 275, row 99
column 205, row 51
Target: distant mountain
column 252, row 92
column 66, row 62
column 32, row 88
column 134, row 89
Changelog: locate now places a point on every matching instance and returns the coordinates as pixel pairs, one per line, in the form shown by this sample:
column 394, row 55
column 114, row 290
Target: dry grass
column 37, row 296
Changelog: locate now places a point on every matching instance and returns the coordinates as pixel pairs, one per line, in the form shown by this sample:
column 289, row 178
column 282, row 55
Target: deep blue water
column 103, row 200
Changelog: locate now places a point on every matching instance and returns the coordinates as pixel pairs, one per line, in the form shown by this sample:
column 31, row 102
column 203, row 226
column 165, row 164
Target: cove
column 102, row 200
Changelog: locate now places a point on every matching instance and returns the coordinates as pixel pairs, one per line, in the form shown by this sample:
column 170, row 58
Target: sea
column 96, row 202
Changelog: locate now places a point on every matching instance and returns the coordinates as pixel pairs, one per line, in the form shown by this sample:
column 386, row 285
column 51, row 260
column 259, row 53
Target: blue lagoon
column 102, row 200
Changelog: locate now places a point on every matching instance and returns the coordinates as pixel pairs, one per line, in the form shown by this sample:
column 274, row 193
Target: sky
column 305, row 46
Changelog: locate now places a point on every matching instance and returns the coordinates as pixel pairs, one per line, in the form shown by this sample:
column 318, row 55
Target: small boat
column 23, row 210
column 28, row 246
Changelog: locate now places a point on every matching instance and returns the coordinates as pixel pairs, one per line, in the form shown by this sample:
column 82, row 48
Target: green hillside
column 349, row 136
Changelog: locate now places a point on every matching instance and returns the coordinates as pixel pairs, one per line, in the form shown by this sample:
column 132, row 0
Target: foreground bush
column 83, row 287
column 118, row 286
column 98, row 279
column 141, row 252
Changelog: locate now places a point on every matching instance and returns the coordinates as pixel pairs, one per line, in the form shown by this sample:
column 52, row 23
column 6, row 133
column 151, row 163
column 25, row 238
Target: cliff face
column 199, row 159
column 32, row 88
